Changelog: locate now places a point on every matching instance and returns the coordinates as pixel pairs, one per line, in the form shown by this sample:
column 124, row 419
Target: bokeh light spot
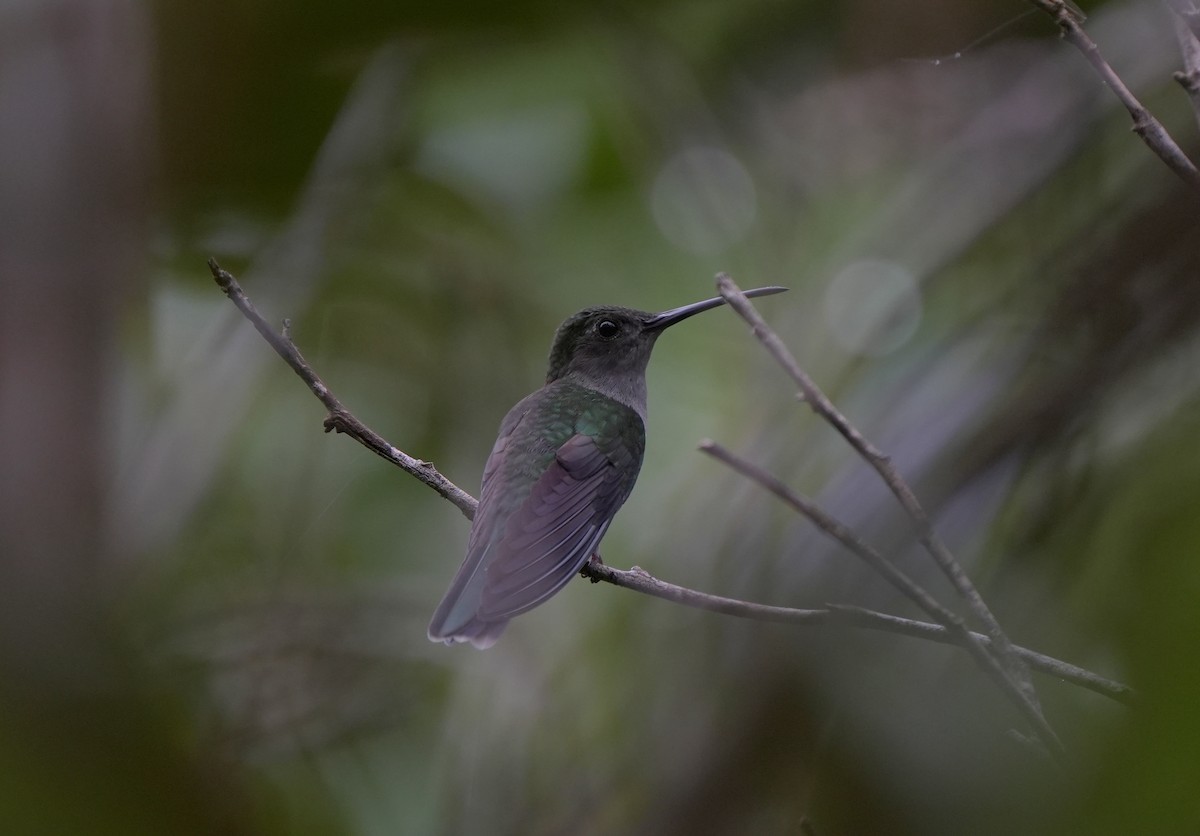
column 872, row 307
column 703, row 200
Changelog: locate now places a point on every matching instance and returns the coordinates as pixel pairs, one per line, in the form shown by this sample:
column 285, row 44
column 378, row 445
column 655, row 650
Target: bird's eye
column 607, row 329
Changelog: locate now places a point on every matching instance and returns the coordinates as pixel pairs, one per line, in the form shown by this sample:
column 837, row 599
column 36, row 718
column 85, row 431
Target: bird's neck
column 628, row 389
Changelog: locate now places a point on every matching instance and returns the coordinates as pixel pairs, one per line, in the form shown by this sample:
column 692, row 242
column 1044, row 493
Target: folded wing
column 556, row 529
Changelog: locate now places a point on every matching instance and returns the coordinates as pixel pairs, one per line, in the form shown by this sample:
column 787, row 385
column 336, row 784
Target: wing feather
column 579, row 492
column 580, row 456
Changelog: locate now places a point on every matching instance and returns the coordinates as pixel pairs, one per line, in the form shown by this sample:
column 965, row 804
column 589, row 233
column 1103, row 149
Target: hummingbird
column 563, row 464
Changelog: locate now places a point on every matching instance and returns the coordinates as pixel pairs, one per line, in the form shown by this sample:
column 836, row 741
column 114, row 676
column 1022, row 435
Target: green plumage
column 564, row 462
column 536, row 427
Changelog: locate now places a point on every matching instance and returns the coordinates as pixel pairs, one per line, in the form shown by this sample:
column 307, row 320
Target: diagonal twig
column 1145, row 125
column 639, row 580
column 340, row 419
column 956, row 630
column 1013, row 673
column 820, row 404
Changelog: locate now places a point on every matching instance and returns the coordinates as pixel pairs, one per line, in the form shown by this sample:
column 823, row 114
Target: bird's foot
column 594, row 560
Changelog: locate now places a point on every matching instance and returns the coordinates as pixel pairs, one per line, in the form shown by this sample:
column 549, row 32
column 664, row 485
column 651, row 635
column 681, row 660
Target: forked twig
column 998, row 658
column 1145, row 125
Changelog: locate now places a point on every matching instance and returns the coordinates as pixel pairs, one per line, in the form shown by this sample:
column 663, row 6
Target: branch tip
column 222, row 277
column 997, row 657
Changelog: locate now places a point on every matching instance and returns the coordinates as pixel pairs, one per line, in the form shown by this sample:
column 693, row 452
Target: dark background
column 212, row 615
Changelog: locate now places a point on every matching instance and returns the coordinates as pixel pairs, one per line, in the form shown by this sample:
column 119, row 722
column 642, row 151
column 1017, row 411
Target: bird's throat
column 627, row 389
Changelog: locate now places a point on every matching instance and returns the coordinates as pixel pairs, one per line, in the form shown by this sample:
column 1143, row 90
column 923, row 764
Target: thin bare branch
column 1188, row 13
column 1144, row 124
column 840, row 532
column 982, row 652
column 1186, row 19
column 872, row 620
column 639, row 580
column 339, row 418
column 1015, row 671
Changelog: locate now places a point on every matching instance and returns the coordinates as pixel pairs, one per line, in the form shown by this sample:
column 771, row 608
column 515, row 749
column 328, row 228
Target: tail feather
column 481, row 634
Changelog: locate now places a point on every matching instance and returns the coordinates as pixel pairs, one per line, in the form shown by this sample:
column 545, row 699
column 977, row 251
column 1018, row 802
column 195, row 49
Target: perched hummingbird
column 565, row 461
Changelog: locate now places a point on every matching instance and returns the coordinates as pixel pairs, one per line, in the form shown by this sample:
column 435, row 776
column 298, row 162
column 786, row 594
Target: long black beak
column 661, row 320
